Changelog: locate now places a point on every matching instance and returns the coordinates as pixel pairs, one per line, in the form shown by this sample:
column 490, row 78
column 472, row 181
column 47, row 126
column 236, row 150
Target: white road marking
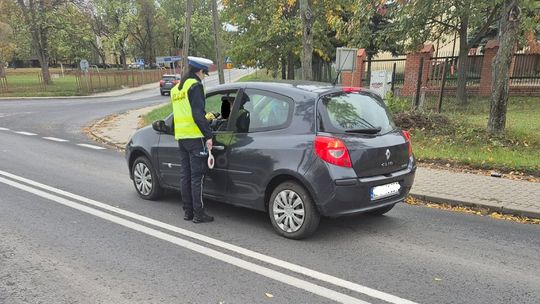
column 91, row 146
column 4, row 129
column 267, row 272
column 246, row 252
column 56, row 139
column 26, row 133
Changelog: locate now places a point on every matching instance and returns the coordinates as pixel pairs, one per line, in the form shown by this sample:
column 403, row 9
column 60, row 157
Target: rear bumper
column 353, row 196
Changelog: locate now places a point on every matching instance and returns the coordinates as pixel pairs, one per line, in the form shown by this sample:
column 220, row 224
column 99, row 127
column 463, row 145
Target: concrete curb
column 93, row 134
column 476, row 205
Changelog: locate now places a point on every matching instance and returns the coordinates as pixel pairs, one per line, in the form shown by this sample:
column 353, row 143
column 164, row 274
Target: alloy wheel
column 143, row 178
column 289, row 211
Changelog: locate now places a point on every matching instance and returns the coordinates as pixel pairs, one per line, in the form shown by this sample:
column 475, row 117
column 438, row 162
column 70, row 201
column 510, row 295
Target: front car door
column 258, row 120
column 215, row 181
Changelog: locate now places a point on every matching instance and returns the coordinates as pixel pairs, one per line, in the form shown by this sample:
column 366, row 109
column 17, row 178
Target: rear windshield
column 169, row 78
column 346, row 112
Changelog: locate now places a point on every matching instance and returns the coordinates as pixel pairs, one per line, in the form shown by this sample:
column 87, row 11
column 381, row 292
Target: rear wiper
column 365, row 131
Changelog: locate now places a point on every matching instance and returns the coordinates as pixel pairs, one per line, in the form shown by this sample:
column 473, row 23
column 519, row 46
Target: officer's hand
column 209, row 144
column 210, row 116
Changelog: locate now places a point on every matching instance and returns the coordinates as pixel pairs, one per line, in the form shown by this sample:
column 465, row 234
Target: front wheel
column 145, row 179
column 292, row 211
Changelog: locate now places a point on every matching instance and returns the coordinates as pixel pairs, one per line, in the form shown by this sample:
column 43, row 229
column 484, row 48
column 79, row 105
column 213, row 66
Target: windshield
column 348, row 112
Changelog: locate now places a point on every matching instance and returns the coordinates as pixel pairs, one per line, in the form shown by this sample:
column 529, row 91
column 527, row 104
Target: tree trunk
column 123, row 59
column 463, row 63
column 290, row 66
column 217, row 41
column 307, row 41
column 2, row 69
column 283, row 68
column 508, row 33
column 187, row 36
column 368, row 77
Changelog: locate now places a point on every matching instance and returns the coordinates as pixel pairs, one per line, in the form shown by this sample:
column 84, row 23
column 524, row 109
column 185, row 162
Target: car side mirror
column 160, row 126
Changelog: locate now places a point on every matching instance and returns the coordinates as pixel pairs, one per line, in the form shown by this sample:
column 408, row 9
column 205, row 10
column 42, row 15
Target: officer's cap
column 200, row 63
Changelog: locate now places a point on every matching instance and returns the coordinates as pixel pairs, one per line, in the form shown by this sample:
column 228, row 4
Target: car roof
column 286, row 87
column 293, row 88
column 170, row 75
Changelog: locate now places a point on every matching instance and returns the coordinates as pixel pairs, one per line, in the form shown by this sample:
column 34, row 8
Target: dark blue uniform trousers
column 193, row 155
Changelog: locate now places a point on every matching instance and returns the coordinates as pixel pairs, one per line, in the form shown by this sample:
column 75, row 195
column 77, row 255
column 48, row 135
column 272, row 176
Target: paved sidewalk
column 435, row 185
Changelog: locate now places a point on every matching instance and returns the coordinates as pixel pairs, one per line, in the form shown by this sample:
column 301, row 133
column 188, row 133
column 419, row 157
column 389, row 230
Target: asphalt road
column 73, row 230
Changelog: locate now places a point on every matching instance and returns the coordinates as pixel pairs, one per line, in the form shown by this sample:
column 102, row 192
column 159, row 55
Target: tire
column 292, row 211
column 145, row 179
column 381, row 211
column 162, row 93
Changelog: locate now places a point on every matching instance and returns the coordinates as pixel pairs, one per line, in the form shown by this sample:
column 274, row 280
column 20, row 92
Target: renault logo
column 387, row 154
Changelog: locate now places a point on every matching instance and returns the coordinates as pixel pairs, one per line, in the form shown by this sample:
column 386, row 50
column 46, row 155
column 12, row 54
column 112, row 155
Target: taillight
column 332, row 150
column 161, row 82
column 175, row 81
column 351, row 89
column 408, row 138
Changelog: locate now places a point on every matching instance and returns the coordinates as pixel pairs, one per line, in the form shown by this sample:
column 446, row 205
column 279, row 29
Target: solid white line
column 91, row 146
column 267, row 272
column 246, row 252
column 55, row 139
column 26, row 133
column 4, row 129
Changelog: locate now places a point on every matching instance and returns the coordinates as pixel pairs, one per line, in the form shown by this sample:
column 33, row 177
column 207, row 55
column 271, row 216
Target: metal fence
column 21, row 83
column 526, row 70
column 394, row 65
column 438, row 69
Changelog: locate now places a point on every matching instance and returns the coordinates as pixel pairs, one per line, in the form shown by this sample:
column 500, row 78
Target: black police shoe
column 203, row 218
column 188, row 216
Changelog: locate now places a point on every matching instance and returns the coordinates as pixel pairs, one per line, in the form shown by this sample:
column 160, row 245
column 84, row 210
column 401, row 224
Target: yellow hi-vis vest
column 184, row 125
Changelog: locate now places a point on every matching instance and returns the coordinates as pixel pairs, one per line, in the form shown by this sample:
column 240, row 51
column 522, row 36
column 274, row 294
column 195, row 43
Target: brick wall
column 354, row 78
column 412, row 69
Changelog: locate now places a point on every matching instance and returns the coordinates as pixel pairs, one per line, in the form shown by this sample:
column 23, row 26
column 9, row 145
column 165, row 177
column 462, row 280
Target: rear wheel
column 381, row 211
column 145, row 179
column 292, row 211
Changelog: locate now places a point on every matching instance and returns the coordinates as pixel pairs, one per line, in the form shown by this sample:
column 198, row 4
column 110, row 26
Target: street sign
column 84, row 65
column 346, row 59
column 228, row 60
column 228, row 66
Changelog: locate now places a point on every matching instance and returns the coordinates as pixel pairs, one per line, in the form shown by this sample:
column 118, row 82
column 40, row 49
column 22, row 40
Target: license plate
column 383, row 191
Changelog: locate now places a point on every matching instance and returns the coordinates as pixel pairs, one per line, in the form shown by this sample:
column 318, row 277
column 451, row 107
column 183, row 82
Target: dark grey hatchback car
column 298, row 151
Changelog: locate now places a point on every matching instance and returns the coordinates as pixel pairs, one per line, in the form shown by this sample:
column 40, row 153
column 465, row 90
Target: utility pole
column 187, row 34
column 217, row 42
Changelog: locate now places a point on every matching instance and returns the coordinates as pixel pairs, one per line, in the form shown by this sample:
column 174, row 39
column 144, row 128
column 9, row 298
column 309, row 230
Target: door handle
column 218, row 148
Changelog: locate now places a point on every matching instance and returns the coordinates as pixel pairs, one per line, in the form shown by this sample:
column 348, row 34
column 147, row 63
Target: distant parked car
column 297, row 151
column 167, row 82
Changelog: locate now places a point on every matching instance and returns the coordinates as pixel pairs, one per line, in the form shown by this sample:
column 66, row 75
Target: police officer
column 192, row 130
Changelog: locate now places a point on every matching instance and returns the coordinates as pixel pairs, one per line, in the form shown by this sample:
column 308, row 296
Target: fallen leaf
column 437, row 279
column 269, row 295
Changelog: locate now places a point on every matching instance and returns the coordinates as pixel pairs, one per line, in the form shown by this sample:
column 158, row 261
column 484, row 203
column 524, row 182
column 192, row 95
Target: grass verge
column 459, row 136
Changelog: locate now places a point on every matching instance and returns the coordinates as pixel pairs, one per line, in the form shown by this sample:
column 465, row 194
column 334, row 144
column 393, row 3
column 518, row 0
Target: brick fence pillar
column 412, row 64
column 355, row 78
column 490, row 50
